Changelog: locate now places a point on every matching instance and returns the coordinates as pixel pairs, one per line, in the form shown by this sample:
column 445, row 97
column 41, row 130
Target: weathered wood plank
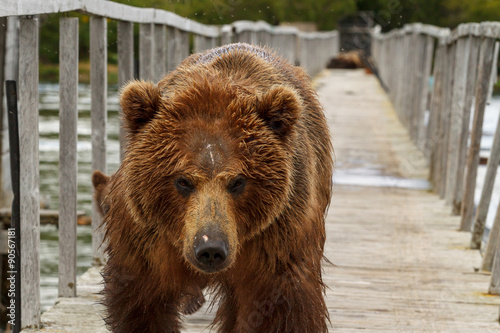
column 495, row 272
column 172, row 45
column 489, row 257
column 473, row 47
column 483, row 80
column 487, row 191
column 457, row 115
column 200, row 44
column 424, row 97
column 99, row 116
column 160, row 52
column 68, row 116
column 125, row 68
column 107, row 9
column 146, row 44
column 29, row 175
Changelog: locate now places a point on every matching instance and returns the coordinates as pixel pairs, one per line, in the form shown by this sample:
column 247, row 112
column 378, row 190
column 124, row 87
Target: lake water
column 49, row 173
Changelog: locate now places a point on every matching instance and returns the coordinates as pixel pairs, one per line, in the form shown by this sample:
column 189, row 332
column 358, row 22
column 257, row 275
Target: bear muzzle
column 211, row 251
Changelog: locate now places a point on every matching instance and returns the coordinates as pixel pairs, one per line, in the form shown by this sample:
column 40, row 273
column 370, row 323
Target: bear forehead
column 210, row 151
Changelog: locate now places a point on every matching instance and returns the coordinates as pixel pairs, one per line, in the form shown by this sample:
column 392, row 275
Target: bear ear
column 101, row 189
column 280, row 108
column 140, row 101
column 98, row 179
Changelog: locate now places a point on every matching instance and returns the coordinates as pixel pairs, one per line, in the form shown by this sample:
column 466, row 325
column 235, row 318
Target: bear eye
column 184, row 186
column 276, row 124
column 237, row 185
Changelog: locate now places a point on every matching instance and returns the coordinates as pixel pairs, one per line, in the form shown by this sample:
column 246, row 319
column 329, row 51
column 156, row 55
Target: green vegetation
column 325, row 14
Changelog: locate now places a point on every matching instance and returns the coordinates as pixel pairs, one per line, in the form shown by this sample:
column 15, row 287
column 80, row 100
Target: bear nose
column 210, row 251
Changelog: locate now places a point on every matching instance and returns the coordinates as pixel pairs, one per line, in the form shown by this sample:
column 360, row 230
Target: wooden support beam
column 99, row 86
column 29, row 175
column 473, row 46
column 483, row 79
column 146, row 45
column 125, row 68
column 68, row 167
column 160, row 52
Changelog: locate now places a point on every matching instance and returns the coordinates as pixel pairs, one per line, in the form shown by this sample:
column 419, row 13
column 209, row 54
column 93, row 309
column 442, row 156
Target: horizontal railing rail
column 164, row 41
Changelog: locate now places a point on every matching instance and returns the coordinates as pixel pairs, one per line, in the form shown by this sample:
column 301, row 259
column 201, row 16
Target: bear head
column 208, row 162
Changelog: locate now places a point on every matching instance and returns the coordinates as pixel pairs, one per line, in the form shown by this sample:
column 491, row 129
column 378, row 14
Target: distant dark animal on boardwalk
column 225, row 182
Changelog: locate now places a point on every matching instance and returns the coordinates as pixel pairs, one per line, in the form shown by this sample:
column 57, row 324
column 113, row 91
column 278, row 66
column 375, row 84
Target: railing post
column 125, row 67
column 184, row 46
column 495, row 272
column 29, row 175
column 483, row 79
column 473, row 46
column 445, row 120
column 491, row 251
column 433, row 128
column 146, row 51
column 159, row 57
column 200, row 43
column 457, row 115
column 424, row 92
column 68, row 115
column 172, row 47
column 487, row 190
column 98, row 83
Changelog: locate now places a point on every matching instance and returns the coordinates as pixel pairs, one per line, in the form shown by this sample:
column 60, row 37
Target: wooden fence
column 462, row 65
column 164, row 40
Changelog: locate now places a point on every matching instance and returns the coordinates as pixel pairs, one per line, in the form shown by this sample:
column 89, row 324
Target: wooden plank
column 29, row 175
column 179, row 45
column 200, row 44
column 99, row 116
column 125, row 68
column 483, row 79
column 68, row 116
column 146, row 53
column 442, row 124
column 495, row 271
column 107, row 9
column 160, row 52
column 434, row 132
column 494, row 74
column 489, row 257
column 473, row 47
column 487, row 190
column 172, row 45
column 457, row 115
column 428, row 58
column 184, row 45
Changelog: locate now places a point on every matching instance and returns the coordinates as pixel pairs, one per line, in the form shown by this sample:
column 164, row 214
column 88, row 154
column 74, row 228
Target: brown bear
column 192, row 301
column 225, row 183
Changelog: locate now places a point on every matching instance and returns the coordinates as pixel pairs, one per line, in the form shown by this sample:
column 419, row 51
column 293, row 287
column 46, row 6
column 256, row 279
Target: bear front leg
column 134, row 304
column 292, row 303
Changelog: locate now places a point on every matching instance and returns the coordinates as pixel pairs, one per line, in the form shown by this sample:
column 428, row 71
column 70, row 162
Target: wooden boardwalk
column 400, row 263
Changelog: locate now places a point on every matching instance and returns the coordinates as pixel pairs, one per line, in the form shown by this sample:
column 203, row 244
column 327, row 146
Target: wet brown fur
column 193, row 299
column 235, row 111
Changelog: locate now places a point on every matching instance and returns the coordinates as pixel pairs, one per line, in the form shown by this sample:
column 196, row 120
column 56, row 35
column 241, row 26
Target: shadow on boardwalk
column 401, row 264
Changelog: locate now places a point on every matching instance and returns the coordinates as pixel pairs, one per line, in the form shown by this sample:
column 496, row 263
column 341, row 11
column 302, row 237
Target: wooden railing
column 163, row 42
column 462, row 63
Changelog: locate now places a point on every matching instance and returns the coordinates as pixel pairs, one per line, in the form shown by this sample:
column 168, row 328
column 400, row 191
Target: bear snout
column 210, row 251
